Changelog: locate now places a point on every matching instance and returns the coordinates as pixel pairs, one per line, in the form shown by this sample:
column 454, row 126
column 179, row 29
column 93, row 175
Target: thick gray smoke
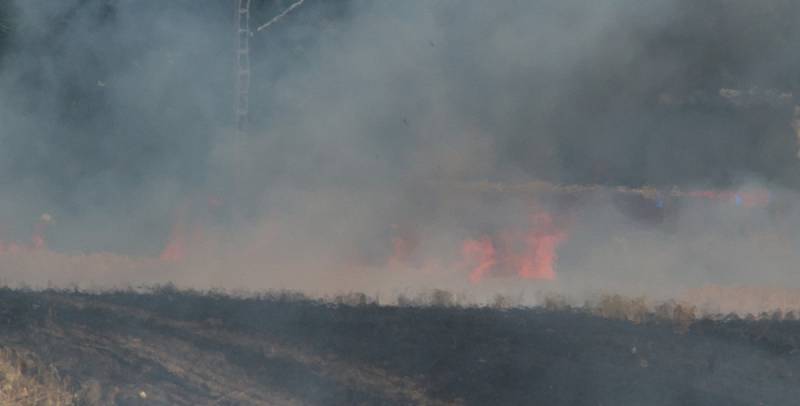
column 116, row 114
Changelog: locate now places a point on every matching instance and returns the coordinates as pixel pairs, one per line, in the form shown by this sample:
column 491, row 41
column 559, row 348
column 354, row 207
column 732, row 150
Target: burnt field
column 174, row 347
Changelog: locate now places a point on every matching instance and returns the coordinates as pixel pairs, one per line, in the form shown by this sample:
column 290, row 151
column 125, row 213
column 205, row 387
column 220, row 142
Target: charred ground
column 175, row 347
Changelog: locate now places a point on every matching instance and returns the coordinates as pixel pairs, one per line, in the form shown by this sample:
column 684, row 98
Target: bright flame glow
column 175, row 250
column 538, row 260
column 482, row 253
column 530, row 256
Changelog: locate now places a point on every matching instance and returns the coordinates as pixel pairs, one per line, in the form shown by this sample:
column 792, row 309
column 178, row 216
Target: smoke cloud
column 117, row 119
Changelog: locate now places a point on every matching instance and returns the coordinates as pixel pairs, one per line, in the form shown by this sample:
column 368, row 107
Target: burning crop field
column 455, row 202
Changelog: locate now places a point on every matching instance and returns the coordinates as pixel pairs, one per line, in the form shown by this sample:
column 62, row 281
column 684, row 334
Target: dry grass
column 632, row 309
column 24, row 380
column 710, row 302
column 621, row 308
column 744, row 300
column 431, row 298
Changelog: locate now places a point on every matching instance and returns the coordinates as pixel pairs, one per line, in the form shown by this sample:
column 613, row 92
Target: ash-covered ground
column 171, row 347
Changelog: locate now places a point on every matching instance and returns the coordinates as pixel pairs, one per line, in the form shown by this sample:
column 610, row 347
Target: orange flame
column 38, row 235
column 538, row 260
column 535, row 258
column 175, row 250
column 187, row 235
column 483, row 253
column 38, row 241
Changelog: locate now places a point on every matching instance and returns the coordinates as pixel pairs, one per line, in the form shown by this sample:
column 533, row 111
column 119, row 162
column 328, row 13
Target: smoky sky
column 115, row 113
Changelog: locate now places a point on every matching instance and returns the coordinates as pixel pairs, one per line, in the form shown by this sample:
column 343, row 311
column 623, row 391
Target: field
column 166, row 346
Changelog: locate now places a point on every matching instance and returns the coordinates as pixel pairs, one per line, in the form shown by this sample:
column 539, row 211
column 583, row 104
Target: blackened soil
column 182, row 348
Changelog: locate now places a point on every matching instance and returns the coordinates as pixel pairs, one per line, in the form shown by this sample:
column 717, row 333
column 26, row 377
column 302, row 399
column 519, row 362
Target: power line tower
column 243, row 34
column 242, row 103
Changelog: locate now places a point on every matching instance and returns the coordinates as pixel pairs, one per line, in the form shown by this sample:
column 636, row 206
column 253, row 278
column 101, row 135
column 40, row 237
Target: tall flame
column 530, row 255
column 38, row 241
column 38, row 233
column 175, row 249
column 187, row 235
column 538, row 260
column 482, row 253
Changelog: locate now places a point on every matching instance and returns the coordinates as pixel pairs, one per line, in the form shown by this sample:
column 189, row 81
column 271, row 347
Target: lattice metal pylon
column 242, row 106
